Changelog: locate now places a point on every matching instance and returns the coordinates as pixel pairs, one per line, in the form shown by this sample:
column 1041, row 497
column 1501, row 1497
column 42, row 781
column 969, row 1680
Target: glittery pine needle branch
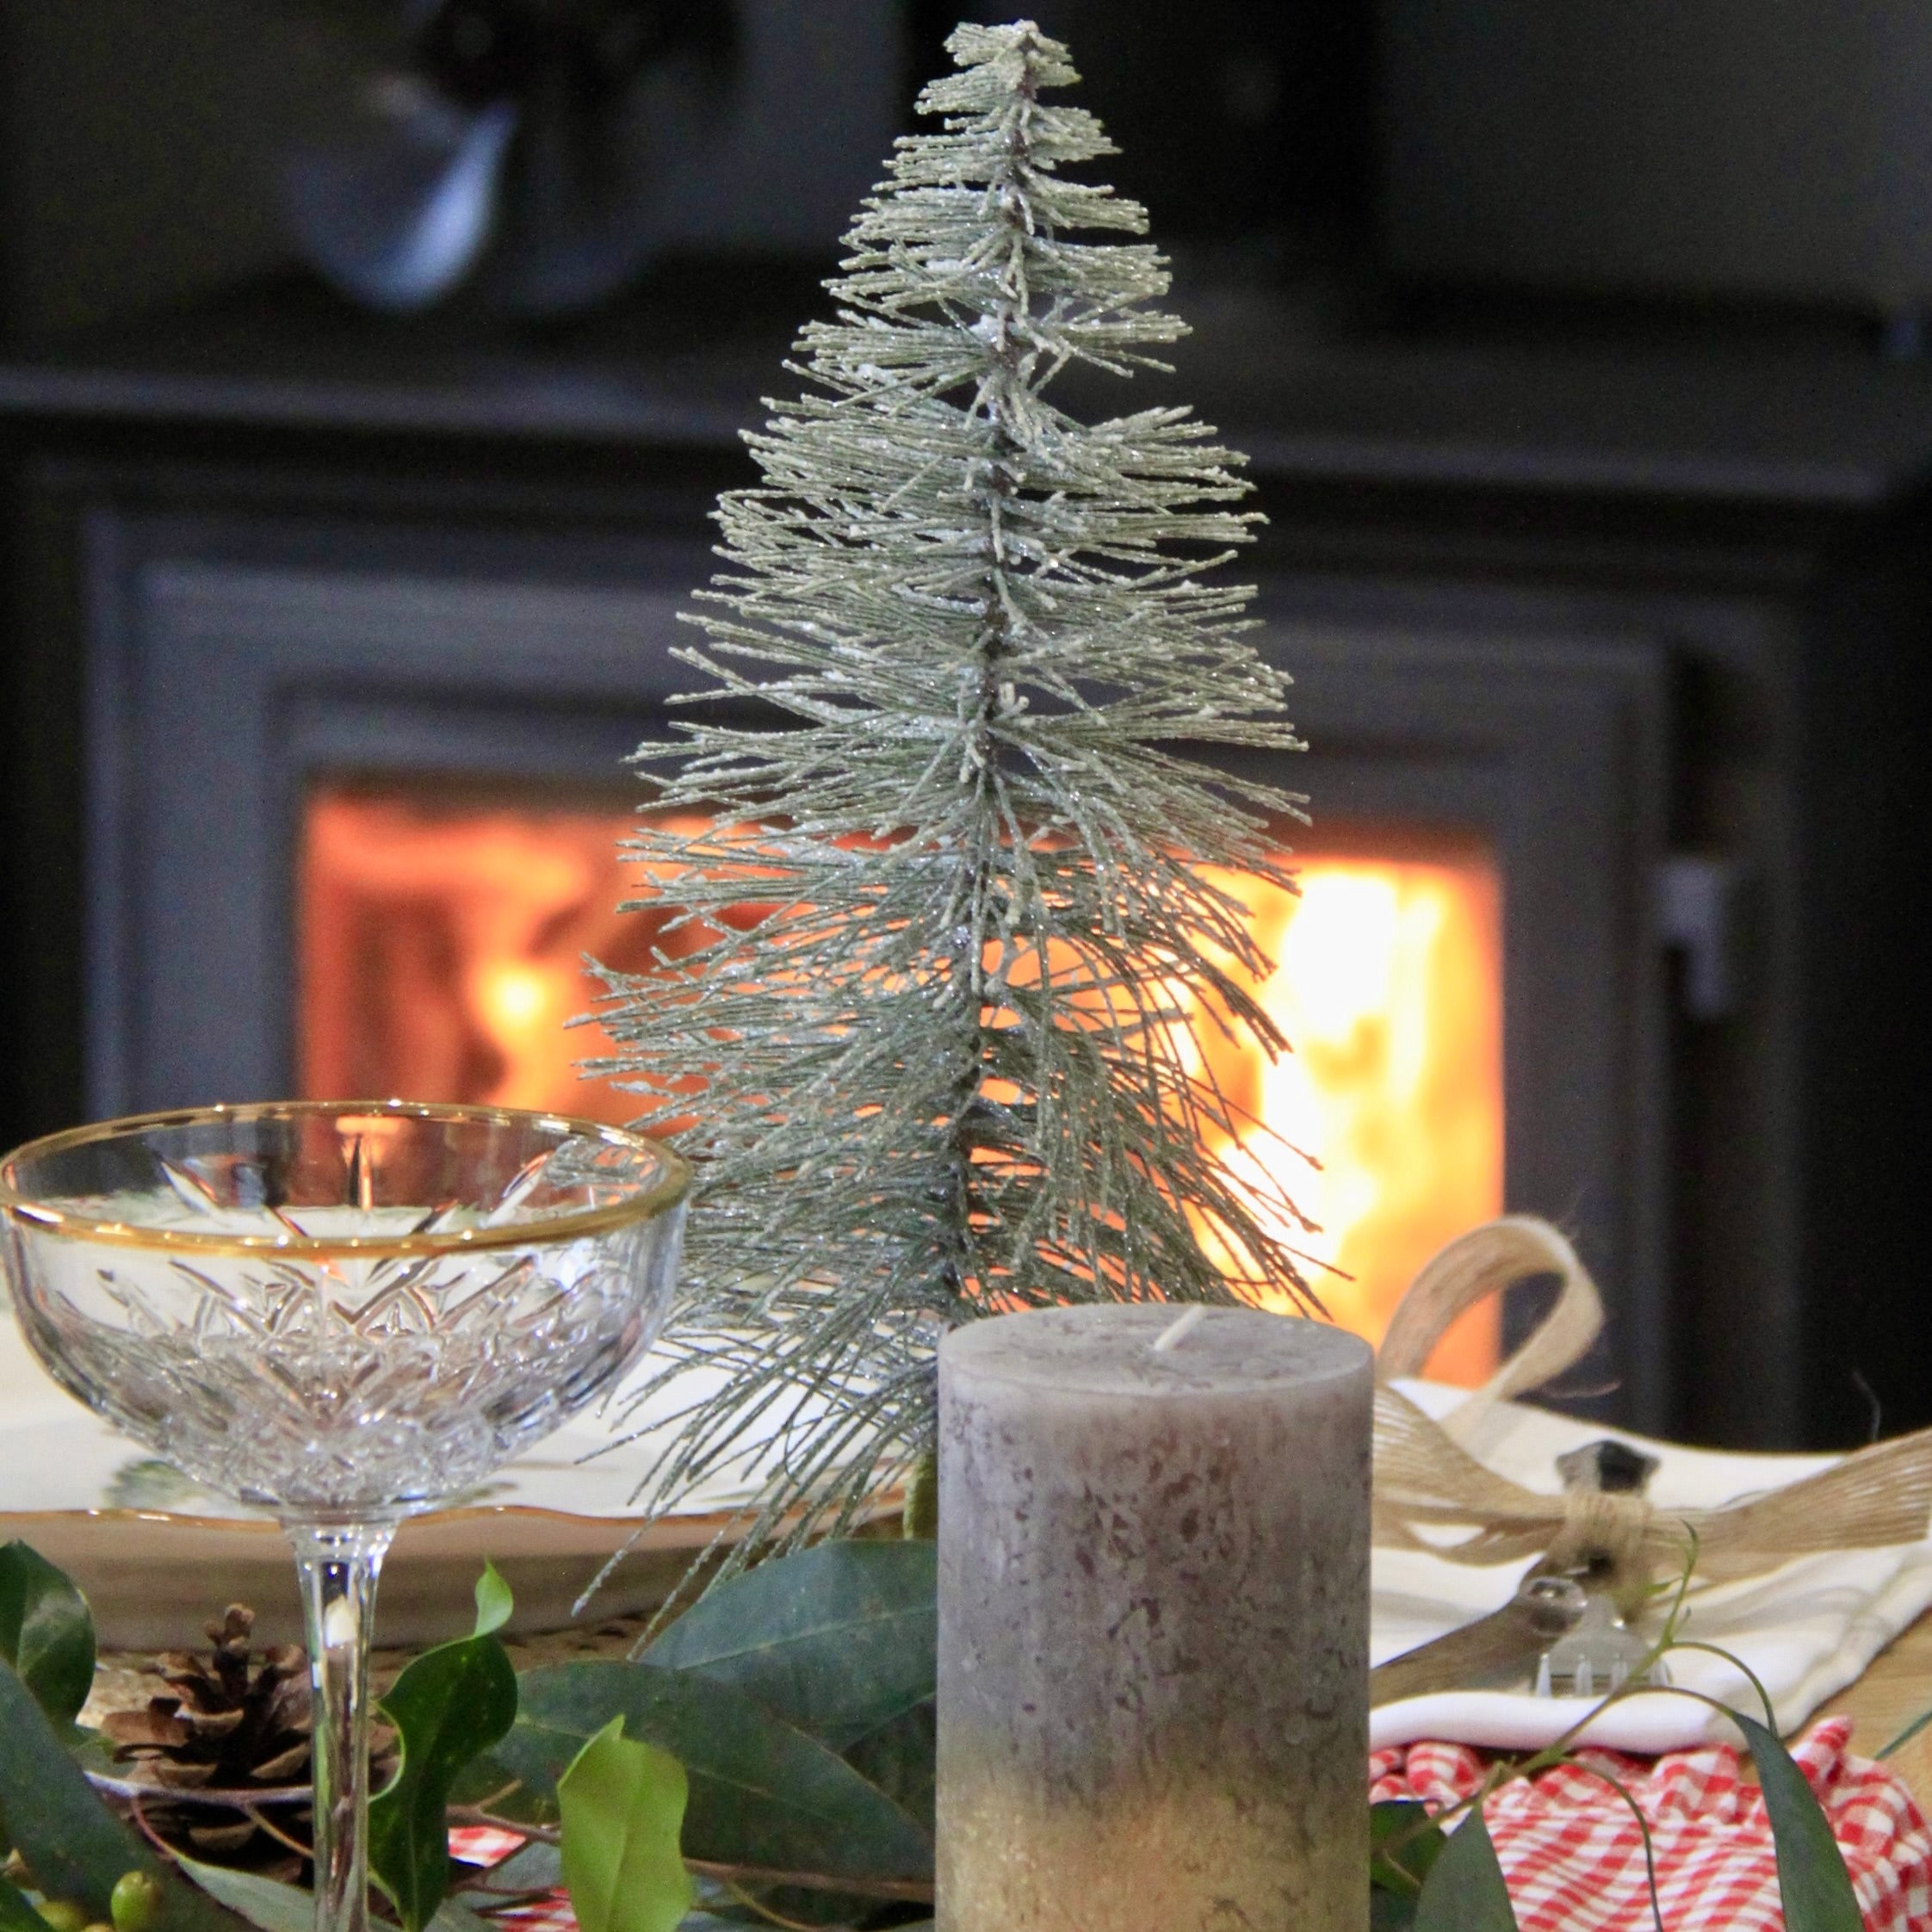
column 949, row 1068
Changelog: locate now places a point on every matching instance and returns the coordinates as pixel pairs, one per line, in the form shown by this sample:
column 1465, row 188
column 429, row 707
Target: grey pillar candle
column 1153, row 1624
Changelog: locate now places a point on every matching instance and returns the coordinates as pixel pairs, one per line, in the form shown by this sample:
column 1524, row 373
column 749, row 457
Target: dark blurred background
column 367, row 368
column 1740, row 151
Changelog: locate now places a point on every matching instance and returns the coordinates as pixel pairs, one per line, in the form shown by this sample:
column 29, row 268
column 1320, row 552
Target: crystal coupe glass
column 344, row 1313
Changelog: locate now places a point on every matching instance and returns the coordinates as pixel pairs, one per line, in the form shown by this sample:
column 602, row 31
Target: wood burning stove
column 252, row 716
column 1543, row 614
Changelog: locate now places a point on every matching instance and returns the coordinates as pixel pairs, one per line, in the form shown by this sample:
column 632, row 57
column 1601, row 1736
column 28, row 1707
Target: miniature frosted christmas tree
column 948, row 1069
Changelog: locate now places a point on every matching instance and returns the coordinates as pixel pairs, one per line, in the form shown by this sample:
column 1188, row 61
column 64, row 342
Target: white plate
column 157, row 1557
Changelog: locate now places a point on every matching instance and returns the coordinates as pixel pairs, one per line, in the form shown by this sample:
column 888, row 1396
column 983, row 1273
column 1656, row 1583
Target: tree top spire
column 1018, row 51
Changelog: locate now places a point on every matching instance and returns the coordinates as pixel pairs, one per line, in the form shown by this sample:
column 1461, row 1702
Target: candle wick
column 1180, row 1329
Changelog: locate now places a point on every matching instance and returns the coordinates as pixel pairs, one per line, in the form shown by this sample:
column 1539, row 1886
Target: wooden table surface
column 1894, row 1690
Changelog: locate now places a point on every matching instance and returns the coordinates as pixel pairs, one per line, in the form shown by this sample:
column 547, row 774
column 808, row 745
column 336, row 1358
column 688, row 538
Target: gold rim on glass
column 567, row 1226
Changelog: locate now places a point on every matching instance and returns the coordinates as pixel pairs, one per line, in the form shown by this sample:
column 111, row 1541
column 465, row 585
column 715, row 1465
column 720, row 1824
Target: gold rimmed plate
column 157, row 1557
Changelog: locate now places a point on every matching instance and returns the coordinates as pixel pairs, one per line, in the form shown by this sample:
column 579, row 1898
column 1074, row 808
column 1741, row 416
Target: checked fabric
column 480, row 1844
column 1572, row 1854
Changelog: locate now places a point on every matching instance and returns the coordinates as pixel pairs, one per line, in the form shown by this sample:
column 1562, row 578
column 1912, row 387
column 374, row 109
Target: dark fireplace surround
column 230, row 687
column 1674, row 678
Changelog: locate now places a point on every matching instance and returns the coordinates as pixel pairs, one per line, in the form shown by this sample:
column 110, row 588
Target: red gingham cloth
column 1572, row 1855
column 482, row 1844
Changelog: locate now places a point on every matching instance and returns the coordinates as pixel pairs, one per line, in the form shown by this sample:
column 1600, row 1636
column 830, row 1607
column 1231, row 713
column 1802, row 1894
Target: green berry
column 136, row 1902
column 62, row 1915
column 921, row 1518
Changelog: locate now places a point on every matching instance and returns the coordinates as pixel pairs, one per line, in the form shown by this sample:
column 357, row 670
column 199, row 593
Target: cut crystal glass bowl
column 343, row 1311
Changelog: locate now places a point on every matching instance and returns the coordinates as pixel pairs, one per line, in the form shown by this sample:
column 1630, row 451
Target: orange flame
column 1388, row 981
column 441, row 947
column 442, row 944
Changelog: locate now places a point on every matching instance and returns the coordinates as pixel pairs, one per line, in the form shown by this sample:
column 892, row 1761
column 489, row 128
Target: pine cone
column 235, row 1723
column 239, row 1722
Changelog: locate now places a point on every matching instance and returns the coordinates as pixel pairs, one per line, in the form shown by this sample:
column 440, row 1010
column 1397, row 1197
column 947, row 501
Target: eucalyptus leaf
column 15, row 1914
column 1813, row 1884
column 453, row 1915
column 839, row 1639
column 762, row 1792
column 806, row 1908
column 537, row 1868
column 1465, row 1891
column 623, row 1806
column 487, row 1781
column 46, row 1631
column 448, row 1706
column 74, row 1846
column 265, row 1903
column 1391, row 1912
column 899, row 1758
column 1403, row 1845
column 272, row 1906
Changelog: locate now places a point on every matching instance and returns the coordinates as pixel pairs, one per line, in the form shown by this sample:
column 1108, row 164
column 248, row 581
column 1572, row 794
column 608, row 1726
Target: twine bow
column 1426, row 1479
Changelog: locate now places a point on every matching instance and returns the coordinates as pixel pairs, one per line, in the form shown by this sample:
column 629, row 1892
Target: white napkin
column 1807, row 1630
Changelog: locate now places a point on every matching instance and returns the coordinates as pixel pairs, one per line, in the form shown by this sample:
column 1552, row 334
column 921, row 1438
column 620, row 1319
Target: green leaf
column 1465, row 1891
column 921, row 1517
column 275, row 1907
column 538, row 1867
column 899, row 1758
column 1403, row 1846
column 92, row 1752
column 448, row 1706
column 266, row 1902
column 493, row 1601
column 453, row 1915
column 46, row 1632
column 15, row 1914
column 1390, row 1911
column 762, row 1792
column 837, row 1640
column 1812, row 1881
column 623, row 1805
column 487, row 1781
column 75, row 1847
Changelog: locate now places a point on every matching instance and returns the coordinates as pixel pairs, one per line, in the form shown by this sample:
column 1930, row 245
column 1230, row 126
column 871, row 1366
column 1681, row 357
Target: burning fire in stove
column 443, row 944
column 1388, row 981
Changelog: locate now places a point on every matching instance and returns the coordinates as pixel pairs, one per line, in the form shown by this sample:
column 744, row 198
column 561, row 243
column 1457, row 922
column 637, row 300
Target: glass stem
column 338, row 1565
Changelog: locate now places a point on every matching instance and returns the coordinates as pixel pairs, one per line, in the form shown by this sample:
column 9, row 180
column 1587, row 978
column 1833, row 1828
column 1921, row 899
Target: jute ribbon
column 1426, row 1481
